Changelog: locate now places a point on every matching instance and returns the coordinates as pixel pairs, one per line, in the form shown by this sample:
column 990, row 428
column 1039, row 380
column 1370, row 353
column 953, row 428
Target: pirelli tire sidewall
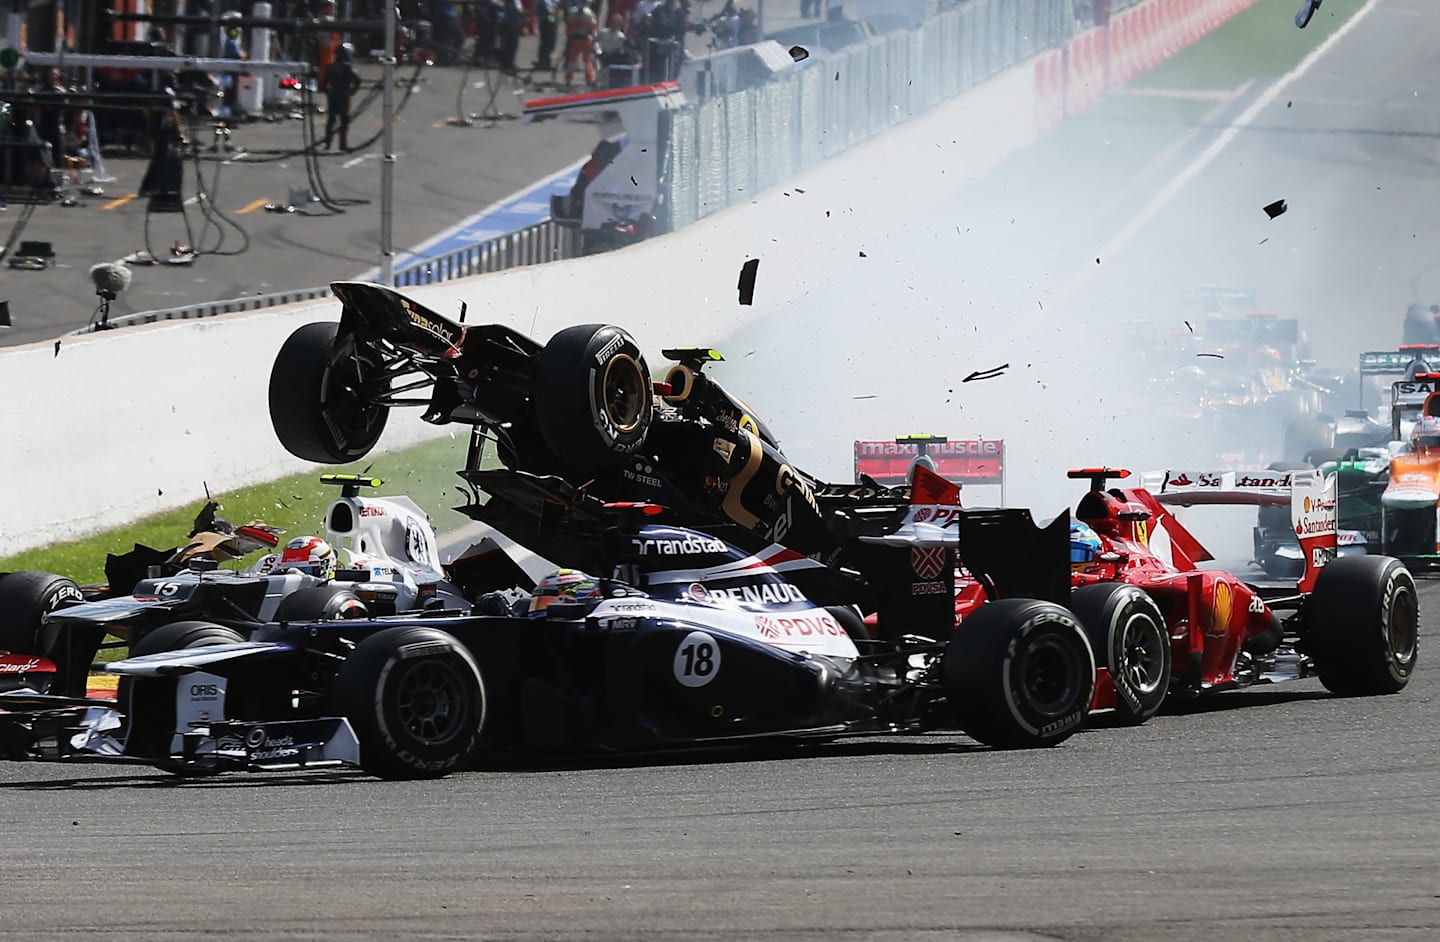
column 1019, row 673
column 392, row 682
column 593, row 396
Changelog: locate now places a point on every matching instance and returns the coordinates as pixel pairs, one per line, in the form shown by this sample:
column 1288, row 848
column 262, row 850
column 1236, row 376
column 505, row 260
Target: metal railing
column 725, row 150
column 252, row 302
column 546, row 241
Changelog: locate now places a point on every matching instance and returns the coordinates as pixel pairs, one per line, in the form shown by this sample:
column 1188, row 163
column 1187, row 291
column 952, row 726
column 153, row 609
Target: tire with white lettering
column 1362, row 625
column 416, row 700
column 323, row 395
column 1019, row 673
column 1128, row 636
column 593, row 396
column 26, row 597
column 321, row 603
column 149, row 702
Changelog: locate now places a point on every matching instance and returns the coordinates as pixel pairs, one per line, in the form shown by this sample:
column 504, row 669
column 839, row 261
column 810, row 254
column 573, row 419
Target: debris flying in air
column 991, row 373
column 1276, row 208
column 747, row 280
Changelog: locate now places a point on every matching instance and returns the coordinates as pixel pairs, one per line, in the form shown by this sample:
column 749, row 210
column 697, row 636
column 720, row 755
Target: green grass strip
column 425, row 473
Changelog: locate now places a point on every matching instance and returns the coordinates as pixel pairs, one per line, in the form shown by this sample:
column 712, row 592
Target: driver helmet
column 310, row 555
column 1425, row 436
column 1084, row 545
column 566, row 586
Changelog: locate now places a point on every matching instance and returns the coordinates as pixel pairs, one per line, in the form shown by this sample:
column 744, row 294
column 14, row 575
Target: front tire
column 321, row 396
column 1019, row 673
column 593, row 396
column 26, row 597
column 1128, row 636
column 416, row 700
column 1362, row 626
column 149, row 702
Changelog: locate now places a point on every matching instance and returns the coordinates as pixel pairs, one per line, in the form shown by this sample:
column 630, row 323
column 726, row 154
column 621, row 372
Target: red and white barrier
column 1071, row 79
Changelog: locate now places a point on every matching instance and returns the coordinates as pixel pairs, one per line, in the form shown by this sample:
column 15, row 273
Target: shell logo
column 1307, row 505
column 1220, row 614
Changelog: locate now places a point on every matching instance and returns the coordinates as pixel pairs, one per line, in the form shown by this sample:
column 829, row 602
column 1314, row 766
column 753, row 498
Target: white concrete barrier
column 116, row 426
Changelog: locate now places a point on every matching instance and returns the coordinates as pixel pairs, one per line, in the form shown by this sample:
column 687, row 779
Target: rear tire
column 1019, row 673
column 319, row 405
column 1362, row 626
column 593, row 396
column 1128, row 636
column 416, row 700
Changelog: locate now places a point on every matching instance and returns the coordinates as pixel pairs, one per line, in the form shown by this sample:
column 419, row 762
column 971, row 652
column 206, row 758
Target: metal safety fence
column 724, row 150
column 546, row 241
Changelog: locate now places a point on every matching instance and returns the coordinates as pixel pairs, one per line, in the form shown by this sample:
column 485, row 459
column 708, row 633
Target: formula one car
column 379, row 556
column 1373, row 425
column 700, row 644
column 1353, row 622
column 1147, row 605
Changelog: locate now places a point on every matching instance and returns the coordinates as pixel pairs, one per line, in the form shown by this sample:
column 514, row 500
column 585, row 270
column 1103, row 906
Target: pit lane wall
column 108, row 428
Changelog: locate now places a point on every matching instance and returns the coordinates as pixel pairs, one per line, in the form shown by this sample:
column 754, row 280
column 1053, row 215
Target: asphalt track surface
column 1278, row 812
column 444, row 173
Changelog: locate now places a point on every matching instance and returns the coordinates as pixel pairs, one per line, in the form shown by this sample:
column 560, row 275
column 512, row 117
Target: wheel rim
column 1050, row 676
column 1402, row 631
column 623, row 393
column 347, row 398
column 431, row 703
column 1142, row 656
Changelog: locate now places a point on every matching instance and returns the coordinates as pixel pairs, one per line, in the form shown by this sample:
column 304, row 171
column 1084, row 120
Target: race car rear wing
column 1396, row 362
column 1310, row 494
column 964, row 461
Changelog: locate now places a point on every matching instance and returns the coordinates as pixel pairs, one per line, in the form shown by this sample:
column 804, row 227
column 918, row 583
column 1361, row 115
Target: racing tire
column 1362, row 626
column 416, row 701
column 1128, row 636
column 1019, row 673
column 593, row 396
column 26, row 597
column 321, row 603
column 149, row 702
column 321, row 396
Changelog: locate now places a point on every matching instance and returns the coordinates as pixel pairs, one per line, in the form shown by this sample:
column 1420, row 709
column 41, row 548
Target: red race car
column 1160, row 624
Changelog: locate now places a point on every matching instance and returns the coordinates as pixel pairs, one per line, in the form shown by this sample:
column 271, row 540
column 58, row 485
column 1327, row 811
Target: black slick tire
column 1362, row 625
column 1128, row 636
column 416, row 701
column 26, row 597
column 318, row 404
column 1019, row 673
column 593, row 396
column 149, row 702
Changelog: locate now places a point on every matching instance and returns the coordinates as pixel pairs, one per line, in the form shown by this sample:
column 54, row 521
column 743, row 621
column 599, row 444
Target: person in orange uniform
column 580, row 27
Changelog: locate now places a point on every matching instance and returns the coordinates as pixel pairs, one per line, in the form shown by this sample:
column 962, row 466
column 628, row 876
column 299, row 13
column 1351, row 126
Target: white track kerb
column 116, row 426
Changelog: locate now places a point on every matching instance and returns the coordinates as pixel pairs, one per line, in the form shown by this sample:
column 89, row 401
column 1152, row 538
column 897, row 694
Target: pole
column 387, row 163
